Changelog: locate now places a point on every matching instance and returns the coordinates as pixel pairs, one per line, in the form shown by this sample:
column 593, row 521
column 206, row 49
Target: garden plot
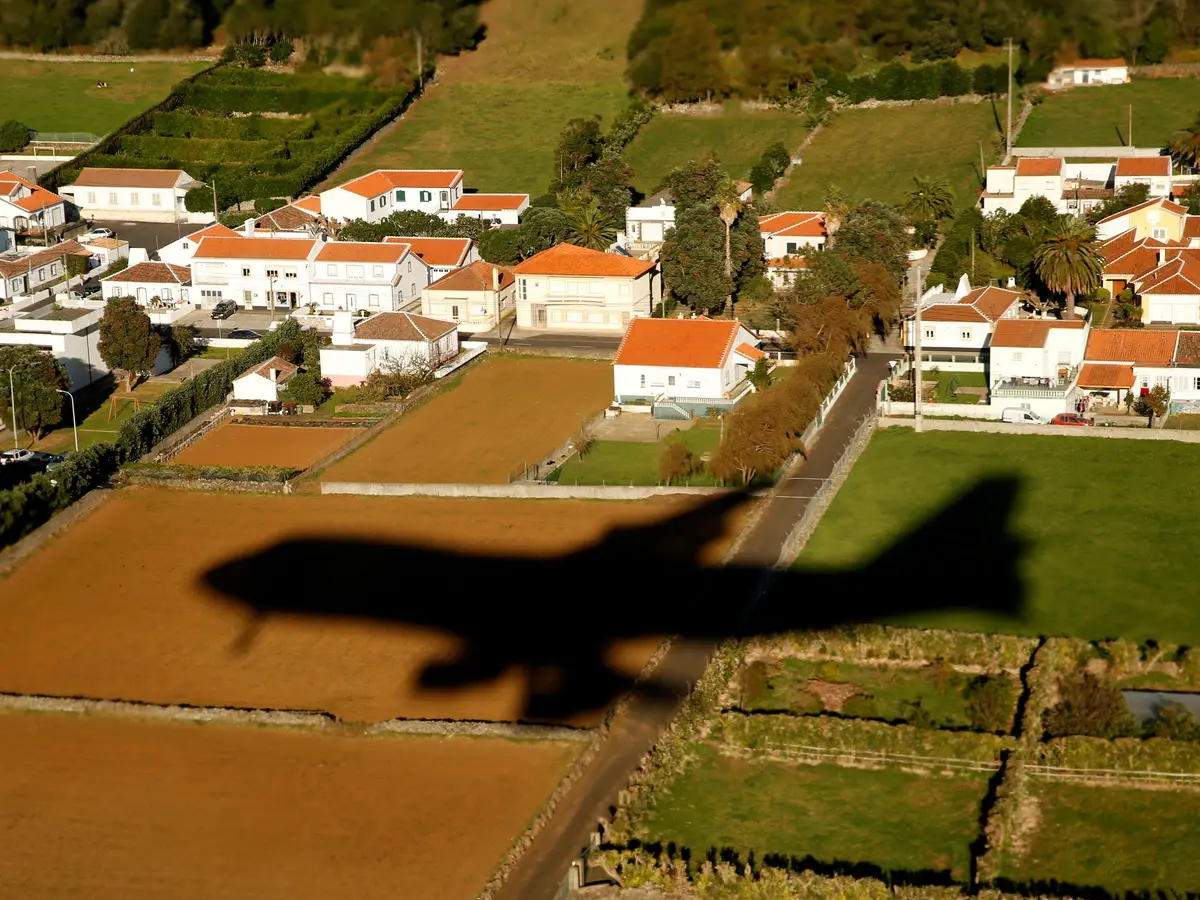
column 126, row 809
column 292, row 446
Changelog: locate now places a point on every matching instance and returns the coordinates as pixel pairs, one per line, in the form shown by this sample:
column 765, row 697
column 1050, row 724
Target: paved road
column 149, row 236
column 542, row 868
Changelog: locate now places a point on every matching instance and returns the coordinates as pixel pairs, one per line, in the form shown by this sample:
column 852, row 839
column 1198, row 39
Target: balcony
column 1036, row 388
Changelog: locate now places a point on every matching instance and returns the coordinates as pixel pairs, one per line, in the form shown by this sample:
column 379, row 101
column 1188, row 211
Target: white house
column 573, row 288
column 956, row 329
column 138, row 195
column 27, row 208
column 263, row 381
column 152, row 284
column 1089, row 71
column 1008, row 187
column 267, row 273
column 1042, row 350
column 31, row 272
column 1152, row 171
column 787, row 237
column 106, row 251
column 441, row 254
column 71, row 335
column 1170, row 293
column 179, row 252
column 385, row 191
column 302, row 215
column 498, row 209
column 647, row 224
column 367, row 276
column 1117, row 361
column 683, row 360
column 475, row 297
column 396, row 339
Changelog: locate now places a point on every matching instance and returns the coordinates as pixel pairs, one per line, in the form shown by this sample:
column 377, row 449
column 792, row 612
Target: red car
column 1071, row 419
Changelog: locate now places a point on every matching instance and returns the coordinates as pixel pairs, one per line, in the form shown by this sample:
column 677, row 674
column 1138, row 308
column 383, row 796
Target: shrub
column 902, row 393
column 267, row 204
column 198, row 199
column 14, row 136
column 626, row 125
column 861, row 706
column 777, row 157
column 307, row 389
column 281, row 50
column 1175, row 723
column 1101, row 295
column 1091, row 707
column 990, row 703
column 181, row 472
column 677, row 462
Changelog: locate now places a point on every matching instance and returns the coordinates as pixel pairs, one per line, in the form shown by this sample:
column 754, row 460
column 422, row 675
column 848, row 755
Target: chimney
column 274, row 375
column 343, row 328
column 248, row 227
column 495, row 278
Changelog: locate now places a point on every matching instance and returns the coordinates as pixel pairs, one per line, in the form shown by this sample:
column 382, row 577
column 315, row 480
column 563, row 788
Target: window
column 351, row 301
column 1162, row 381
column 155, row 199
column 965, row 334
column 454, row 313
column 1017, row 356
column 410, row 265
column 1196, row 384
column 112, row 198
column 412, row 289
column 792, row 247
column 930, row 333
column 245, row 271
column 166, row 293
column 248, row 297
column 211, row 294
column 53, row 269
column 327, row 299
column 426, row 196
column 331, row 270
column 185, row 245
column 377, row 271
column 694, row 385
column 445, row 198
column 671, row 380
column 383, row 200
column 133, row 198
column 372, row 299
column 641, row 381
column 354, row 271
column 372, row 206
column 289, row 273
column 1160, row 234
column 272, row 273
column 399, row 196
column 42, row 274
column 91, row 197
column 524, row 289
column 1146, row 381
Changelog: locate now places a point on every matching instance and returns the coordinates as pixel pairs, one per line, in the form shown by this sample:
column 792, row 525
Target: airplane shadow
column 560, row 618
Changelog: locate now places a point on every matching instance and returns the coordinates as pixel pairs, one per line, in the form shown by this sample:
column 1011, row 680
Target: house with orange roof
column 367, row 276
column 388, row 340
column 1088, row 72
column 261, row 272
column 787, row 237
column 442, row 254
column 1037, row 351
column 1170, row 293
column 28, row 273
column 1152, row 171
column 1008, row 187
column 1158, row 218
column 136, row 195
column 27, row 208
column 475, row 297
column 303, row 216
column 569, row 288
column 156, row 285
column 495, row 209
column 1120, row 361
column 180, row 251
column 687, row 363
column 956, row 328
column 377, row 195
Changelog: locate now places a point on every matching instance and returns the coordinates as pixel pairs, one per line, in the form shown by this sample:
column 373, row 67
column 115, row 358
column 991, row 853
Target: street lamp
column 74, row 425
column 12, row 409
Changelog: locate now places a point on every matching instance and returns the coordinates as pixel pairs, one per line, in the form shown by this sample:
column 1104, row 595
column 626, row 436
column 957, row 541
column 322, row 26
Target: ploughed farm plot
column 506, row 413
column 123, row 809
column 364, row 594
column 293, row 446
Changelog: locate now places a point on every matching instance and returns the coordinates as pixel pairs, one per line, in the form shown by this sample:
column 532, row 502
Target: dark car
column 245, row 334
column 54, row 460
column 89, row 290
column 1071, row 419
column 224, row 309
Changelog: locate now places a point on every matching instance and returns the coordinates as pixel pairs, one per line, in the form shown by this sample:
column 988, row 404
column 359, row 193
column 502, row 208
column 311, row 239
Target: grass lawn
column 496, row 112
column 890, row 694
column 1099, row 116
column 636, row 462
column 62, row 96
column 1183, row 422
column 876, row 153
column 892, row 819
column 739, row 138
column 1118, row 839
column 219, row 352
column 93, row 406
column 1080, row 503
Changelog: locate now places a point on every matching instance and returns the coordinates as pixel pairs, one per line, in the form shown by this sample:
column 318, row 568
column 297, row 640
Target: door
column 1118, row 285
column 1160, row 311
column 539, row 316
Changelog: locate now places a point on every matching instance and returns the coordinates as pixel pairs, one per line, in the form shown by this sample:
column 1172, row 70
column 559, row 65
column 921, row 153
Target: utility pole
column 420, row 60
column 1129, row 134
column 216, row 214
column 917, row 357
column 1008, row 130
column 982, row 167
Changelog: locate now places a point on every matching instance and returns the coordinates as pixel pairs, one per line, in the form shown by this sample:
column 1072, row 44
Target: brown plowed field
column 265, row 445
column 116, row 606
column 508, row 412
column 100, row 808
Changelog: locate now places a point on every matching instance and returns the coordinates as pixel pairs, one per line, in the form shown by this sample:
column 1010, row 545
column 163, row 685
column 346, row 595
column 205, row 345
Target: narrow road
column 543, row 867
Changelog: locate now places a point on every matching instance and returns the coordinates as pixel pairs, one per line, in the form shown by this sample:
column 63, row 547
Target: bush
column 990, row 703
column 14, row 136
column 1088, row 706
column 199, row 199
column 264, row 205
column 777, row 158
column 180, row 472
column 281, row 50
column 626, row 125
column 1101, row 295
column 117, row 265
column 307, row 389
column 902, row 393
column 677, row 462
column 762, row 178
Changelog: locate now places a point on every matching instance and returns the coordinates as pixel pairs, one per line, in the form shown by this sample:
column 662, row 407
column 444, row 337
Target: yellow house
column 1159, row 218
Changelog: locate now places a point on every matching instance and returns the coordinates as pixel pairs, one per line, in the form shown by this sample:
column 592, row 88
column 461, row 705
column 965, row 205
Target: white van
column 1018, row 416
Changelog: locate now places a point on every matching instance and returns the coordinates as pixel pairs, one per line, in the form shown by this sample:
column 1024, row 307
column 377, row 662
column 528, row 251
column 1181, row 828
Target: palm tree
column 930, row 200
column 1070, row 263
column 1185, row 145
column 729, row 207
column 591, row 227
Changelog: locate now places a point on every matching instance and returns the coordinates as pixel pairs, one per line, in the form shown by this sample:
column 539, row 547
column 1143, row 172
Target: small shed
column 263, row 382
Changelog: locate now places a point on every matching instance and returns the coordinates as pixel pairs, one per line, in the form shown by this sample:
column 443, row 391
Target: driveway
column 150, row 236
column 254, row 320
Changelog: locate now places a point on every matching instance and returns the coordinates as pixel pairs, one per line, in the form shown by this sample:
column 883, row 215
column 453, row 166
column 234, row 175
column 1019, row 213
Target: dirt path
column 541, row 871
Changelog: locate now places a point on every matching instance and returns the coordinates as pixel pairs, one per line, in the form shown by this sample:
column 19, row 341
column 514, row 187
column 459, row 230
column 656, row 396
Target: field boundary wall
column 174, row 444
column 568, row 352
column 1120, row 432
column 14, row 554
column 525, row 490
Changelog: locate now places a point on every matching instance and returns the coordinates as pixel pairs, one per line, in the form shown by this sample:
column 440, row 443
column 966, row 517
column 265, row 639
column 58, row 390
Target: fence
column 1085, row 152
column 814, row 755
column 517, row 489
column 1124, row 776
column 65, row 137
column 831, row 398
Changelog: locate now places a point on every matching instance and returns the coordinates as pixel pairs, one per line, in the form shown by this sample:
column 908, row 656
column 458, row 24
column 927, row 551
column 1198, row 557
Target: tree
column 182, row 343
column 760, row 375
column 695, row 182
column 128, row 342
column 591, row 227
column 1069, row 263
column 691, row 60
column 541, row 228
column 1122, row 199
column 1089, row 706
column 875, row 232
column 729, row 206
column 749, row 251
column 693, row 259
column 929, row 200
column 1185, row 145
column 990, row 702
column 677, row 462
column 14, row 136
column 37, row 379
column 607, row 181
column 306, row 389
column 837, row 207
column 579, row 145
column 1154, row 402
column 501, row 246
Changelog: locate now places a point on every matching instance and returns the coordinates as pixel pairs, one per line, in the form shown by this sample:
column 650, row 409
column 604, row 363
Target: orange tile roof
column 475, row 277
column 311, row 204
column 216, row 229
column 39, row 199
column 383, row 180
column 1094, row 64
column 128, row 178
column 152, row 273
column 1094, row 375
column 1191, row 228
column 1135, row 166
column 1141, row 348
column 1157, row 201
column 288, row 218
column 253, row 248
column 437, row 251
column 401, row 326
column 1036, row 166
column 751, row 353
column 700, row 343
column 283, row 369
column 952, row 312
column 10, row 268
column 567, row 259
column 362, row 252
column 793, row 224
column 993, row 302
column 1139, row 259
column 1187, row 349
column 480, row 202
column 1028, row 332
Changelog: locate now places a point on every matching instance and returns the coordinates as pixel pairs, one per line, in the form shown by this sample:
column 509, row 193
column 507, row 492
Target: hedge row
column 225, row 99
column 182, row 472
column 898, row 82
column 760, row 732
column 245, row 128
column 185, row 150
column 866, row 644
column 1131, row 754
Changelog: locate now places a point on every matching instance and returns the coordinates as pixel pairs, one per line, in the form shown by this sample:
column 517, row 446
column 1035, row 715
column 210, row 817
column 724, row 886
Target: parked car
column 1071, row 419
column 54, row 460
column 1019, row 416
column 8, row 457
column 97, row 233
column 224, row 309
column 245, row 334
column 90, row 290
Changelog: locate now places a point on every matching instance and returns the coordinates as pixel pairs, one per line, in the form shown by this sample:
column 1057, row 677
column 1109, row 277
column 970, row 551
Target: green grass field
column 739, row 138
column 1118, row 839
column 875, row 153
column 1099, row 116
column 94, row 407
column 1103, row 550
column 636, row 462
column 496, row 112
column 892, row 819
column 62, row 96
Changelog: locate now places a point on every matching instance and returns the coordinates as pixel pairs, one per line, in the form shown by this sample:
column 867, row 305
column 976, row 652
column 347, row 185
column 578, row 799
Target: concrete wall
column 518, row 489
column 1136, row 434
column 1087, row 151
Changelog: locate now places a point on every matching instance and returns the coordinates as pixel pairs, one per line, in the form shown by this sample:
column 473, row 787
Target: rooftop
column 491, row 201
column 256, row 248
column 362, row 252
column 475, row 277
column 383, row 180
column 437, row 251
column 1139, row 348
column 567, row 259
column 993, row 302
column 1099, row 375
column 283, row 369
column 1039, row 166
column 402, row 326
column 131, row 178
column 1028, row 332
column 1157, row 201
column 67, row 314
column 1135, row 166
column 152, row 273
column 793, row 224
column 699, row 343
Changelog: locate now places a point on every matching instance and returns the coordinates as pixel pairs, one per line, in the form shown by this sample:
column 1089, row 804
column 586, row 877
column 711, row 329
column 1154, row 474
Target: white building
column 956, row 329
column 27, row 208
column 1036, row 350
column 138, row 195
column 647, row 224
column 441, row 254
column 475, row 297
column 787, row 237
column 1152, row 171
column 690, row 360
column 571, row 288
column 396, row 339
column 1170, row 293
column 22, row 274
column 71, row 335
column 152, row 284
column 1117, row 361
column 1089, row 71
column 385, row 191
column 498, row 209
column 264, row 381
column 106, row 251
column 179, row 252
column 267, row 273
column 367, row 276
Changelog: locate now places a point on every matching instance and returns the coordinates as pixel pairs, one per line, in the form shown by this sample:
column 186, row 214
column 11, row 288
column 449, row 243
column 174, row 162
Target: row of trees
column 691, row 49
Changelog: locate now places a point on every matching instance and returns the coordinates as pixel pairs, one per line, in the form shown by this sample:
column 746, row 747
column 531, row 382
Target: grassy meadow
column 1099, row 116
